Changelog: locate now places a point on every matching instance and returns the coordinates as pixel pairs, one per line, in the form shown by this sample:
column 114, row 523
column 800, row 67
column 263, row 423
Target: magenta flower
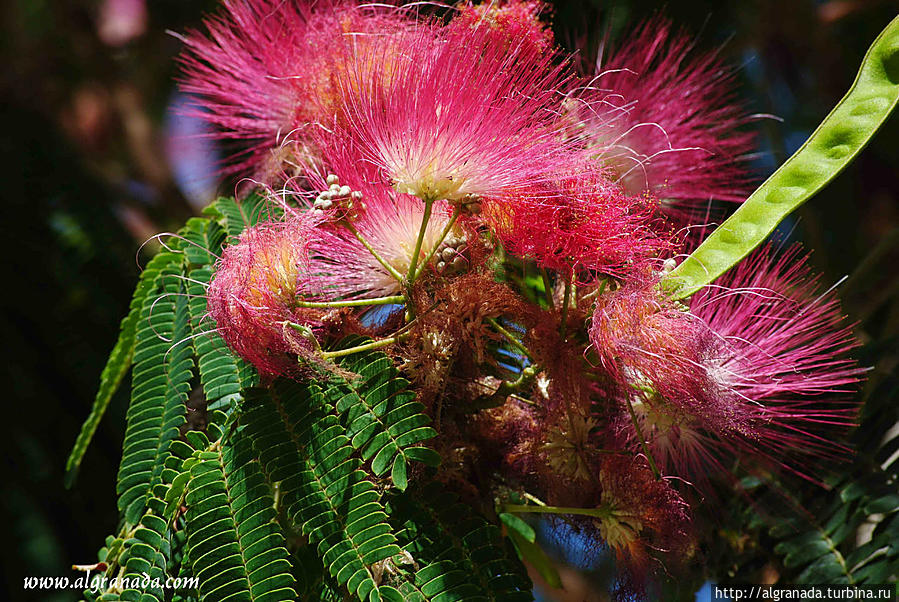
column 455, row 115
column 262, row 78
column 786, row 352
column 757, row 362
column 253, row 295
column 667, row 120
column 514, row 22
column 582, row 222
column 389, row 223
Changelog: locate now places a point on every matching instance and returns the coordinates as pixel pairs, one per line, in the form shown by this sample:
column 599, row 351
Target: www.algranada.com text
column 99, row 583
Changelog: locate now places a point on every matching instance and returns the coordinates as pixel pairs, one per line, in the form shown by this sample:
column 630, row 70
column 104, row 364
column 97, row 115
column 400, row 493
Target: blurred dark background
column 95, row 162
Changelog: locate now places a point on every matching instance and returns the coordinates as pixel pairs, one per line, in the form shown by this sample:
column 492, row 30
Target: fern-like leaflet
column 163, row 365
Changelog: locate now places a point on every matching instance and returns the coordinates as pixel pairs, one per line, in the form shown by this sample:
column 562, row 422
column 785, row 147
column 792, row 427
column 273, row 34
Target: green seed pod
column 831, row 147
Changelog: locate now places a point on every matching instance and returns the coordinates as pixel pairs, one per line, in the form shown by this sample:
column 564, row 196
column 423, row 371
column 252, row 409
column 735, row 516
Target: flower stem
column 534, row 499
column 643, row 444
column 600, row 512
column 395, row 299
column 566, row 299
column 512, row 339
column 440, row 239
column 547, row 288
column 429, row 204
column 509, row 387
column 390, row 269
column 360, row 348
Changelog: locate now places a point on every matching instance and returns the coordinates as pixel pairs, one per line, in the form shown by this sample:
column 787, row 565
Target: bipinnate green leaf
column 119, row 361
column 163, row 368
column 236, row 548
column 329, row 498
column 831, row 147
column 382, row 417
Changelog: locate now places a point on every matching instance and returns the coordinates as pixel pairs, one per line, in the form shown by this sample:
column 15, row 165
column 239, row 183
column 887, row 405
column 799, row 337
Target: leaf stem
column 440, row 239
column 395, row 299
column 390, row 269
column 534, row 499
column 643, row 444
column 512, row 339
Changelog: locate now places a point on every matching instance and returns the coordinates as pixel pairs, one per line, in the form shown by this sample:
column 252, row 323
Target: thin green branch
column 643, row 444
column 534, row 499
column 512, row 339
column 599, row 512
column 446, row 230
column 360, row 348
column 547, row 288
column 390, row 269
column 395, row 299
column 429, row 204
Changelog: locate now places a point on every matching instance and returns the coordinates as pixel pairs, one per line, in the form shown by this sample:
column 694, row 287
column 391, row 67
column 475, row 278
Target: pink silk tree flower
column 666, row 118
column 262, row 77
column 756, row 363
column 252, row 297
column 577, row 223
column 641, row 515
column 784, row 352
column 389, row 222
column 660, row 353
column 513, row 21
column 454, row 117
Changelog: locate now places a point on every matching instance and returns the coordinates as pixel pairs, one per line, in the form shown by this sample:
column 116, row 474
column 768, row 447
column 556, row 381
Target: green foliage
column 163, row 365
column 221, row 374
column 289, row 499
column 453, row 543
column 849, row 535
column 236, row 217
column 148, row 553
column 382, row 418
column 832, row 146
column 118, row 363
column 235, row 545
column 329, row 498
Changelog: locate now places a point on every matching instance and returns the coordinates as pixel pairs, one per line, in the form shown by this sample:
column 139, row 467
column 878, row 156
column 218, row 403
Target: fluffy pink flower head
column 666, row 119
column 582, row 222
column 656, row 349
column 641, row 514
column 516, row 22
column 262, row 77
column 253, row 295
column 455, row 115
column 758, row 362
column 389, row 222
column 784, row 352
